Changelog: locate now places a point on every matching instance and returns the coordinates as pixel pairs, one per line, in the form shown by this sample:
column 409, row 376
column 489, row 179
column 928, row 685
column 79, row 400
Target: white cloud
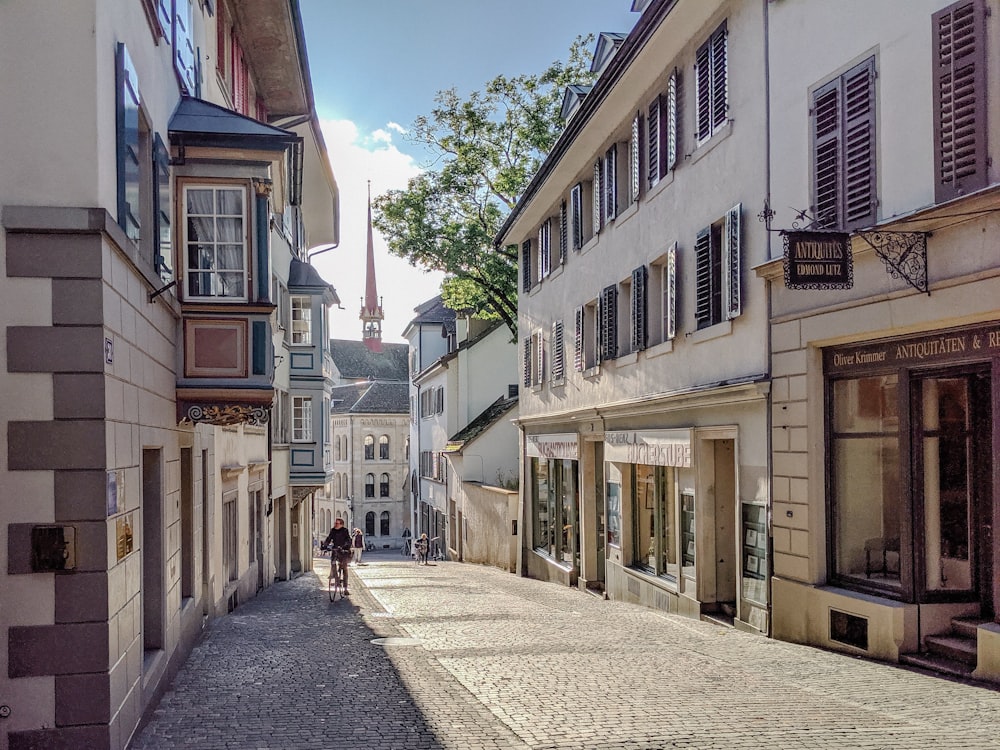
column 397, row 127
column 358, row 158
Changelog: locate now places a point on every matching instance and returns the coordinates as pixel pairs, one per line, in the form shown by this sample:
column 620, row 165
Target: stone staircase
column 952, row 653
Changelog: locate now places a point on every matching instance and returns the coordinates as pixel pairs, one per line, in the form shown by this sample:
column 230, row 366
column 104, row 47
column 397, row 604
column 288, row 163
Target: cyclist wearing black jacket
column 339, row 542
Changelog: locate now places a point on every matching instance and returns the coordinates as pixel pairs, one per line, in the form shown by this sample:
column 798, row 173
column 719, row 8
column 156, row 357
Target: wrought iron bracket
column 904, row 255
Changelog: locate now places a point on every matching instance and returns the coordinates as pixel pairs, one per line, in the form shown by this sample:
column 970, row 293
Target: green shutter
column 127, row 102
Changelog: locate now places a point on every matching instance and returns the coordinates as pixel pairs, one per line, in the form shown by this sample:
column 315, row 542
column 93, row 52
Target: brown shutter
column 703, row 278
column 563, row 237
column 959, row 99
column 826, row 154
column 578, row 340
column 653, row 142
column 526, row 266
column 638, row 308
column 703, row 90
column 860, row 205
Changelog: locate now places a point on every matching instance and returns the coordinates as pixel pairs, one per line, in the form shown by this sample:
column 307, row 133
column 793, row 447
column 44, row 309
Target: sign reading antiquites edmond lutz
column 818, row 260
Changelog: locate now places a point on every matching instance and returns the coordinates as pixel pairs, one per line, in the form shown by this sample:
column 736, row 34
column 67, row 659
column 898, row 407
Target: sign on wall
column 563, row 445
column 818, row 260
column 651, row 447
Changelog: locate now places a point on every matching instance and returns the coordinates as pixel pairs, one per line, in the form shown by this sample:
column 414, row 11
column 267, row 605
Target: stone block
column 55, row 445
column 37, row 650
column 83, row 699
column 78, row 396
column 60, row 349
column 82, row 597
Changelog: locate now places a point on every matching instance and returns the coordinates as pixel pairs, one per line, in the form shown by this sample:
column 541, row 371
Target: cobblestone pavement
column 507, row 662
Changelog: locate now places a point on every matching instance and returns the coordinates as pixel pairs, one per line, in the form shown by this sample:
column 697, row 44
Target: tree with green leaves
column 486, row 148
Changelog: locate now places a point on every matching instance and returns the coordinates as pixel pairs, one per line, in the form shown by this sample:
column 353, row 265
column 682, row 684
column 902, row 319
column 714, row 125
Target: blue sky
column 376, row 65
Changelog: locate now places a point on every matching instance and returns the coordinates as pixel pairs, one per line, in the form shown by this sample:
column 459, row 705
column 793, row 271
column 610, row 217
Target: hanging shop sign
column 818, row 260
column 562, row 445
column 651, row 447
column 942, row 347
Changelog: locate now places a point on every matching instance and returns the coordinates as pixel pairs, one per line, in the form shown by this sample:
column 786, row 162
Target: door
column 953, row 508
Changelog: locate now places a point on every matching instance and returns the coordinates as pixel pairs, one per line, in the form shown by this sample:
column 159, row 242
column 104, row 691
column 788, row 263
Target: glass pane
column 667, row 506
column 199, row 284
column 643, row 511
column 231, row 285
column 542, row 524
column 946, row 484
column 687, row 532
column 230, row 257
column 755, row 553
column 199, row 202
column 866, row 404
column 230, row 230
column 201, row 257
column 613, row 498
column 570, row 529
column 230, row 202
column 866, row 509
column 200, row 230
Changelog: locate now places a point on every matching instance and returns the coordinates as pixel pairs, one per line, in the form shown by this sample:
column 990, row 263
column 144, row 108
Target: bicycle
column 405, row 550
column 336, row 583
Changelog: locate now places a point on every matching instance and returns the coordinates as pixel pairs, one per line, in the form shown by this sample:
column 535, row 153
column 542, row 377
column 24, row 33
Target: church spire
column 371, row 309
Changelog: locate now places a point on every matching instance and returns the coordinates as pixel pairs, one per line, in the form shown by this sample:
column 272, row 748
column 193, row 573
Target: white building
column 459, row 369
column 161, row 174
column 644, row 391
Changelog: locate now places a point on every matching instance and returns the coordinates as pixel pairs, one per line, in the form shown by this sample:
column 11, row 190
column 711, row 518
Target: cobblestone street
column 497, row 661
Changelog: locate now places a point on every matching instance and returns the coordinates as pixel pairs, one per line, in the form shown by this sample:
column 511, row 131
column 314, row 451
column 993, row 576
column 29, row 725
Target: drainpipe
column 767, row 334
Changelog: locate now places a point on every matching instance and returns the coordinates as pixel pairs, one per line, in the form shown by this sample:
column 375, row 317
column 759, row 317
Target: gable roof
column 489, row 417
column 355, row 361
column 375, row 397
column 434, row 311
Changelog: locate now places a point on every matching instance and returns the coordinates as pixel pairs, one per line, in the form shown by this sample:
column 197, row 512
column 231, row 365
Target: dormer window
column 215, row 242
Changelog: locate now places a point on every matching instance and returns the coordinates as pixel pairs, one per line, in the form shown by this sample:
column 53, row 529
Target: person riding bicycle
column 422, row 546
column 338, row 541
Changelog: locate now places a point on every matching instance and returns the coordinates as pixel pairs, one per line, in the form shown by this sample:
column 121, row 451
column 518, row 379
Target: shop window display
column 654, row 513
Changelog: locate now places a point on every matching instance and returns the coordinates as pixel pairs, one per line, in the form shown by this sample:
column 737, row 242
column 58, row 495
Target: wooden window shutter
column 598, row 193
column 653, row 142
column 563, row 238
column 578, row 340
column 670, row 295
column 703, row 93
column 526, row 266
column 611, row 182
column 639, row 306
column 670, row 105
column 609, row 322
column 732, row 289
column 127, row 101
column 163, row 16
column 185, row 58
column 576, row 206
column 526, row 364
column 959, row 45
column 860, row 205
column 826, row 122
column 221, row 35
column 539, row 368
column 558, row 369
column 633, row 160
column 163, row 261
column 544, row 249
column 720, row 78
column 703, row 277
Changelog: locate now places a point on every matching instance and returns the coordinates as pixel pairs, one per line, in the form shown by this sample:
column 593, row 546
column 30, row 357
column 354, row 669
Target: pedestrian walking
column 357, row 546
column 421, row 546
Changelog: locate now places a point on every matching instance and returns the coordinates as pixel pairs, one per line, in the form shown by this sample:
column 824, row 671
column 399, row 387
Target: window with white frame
column 622, row 314
column 369, row 485
column 661, row 132
column 301, row 319
column 718, row 291
column 663, row 297
column 215, row 242
column 576, row 214
column 609, row 183
column 369, row 448
column 586, row 337
column 544, row 249
column 712, row 85
column 634, row 167
column 383, row 448
column 302, row 431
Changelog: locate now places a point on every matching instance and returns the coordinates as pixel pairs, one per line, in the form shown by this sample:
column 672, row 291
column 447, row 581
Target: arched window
column 383, row 523
column 337, row 484
column 369, row 448
column 383, row 485
column 336, row 449
column 383, row 448
column 370, row 523
column 369, row 485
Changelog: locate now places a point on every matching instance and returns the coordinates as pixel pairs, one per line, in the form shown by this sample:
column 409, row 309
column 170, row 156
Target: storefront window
column 654, row 512
column 556, row 526
column 866, row 471
column 614, row 505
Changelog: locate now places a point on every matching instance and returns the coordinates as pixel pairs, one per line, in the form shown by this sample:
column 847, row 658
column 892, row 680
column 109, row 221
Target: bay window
column 302, row 419
column 301, row 319
column 215, row 222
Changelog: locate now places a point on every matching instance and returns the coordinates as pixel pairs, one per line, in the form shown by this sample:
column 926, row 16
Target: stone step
column 965, row 626
column 938, row 664
column 952, row 647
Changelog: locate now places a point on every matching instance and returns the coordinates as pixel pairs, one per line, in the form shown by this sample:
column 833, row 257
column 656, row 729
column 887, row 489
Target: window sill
column 590, row 244
column 627, row 359
column 557, row 271
column 557, row 383
column 537, row 387
column 652, row 578
column 716, row 138
column 716, row 331
column 664, row 347
column 592, row 373
column 627, row 214
column 660, row 185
